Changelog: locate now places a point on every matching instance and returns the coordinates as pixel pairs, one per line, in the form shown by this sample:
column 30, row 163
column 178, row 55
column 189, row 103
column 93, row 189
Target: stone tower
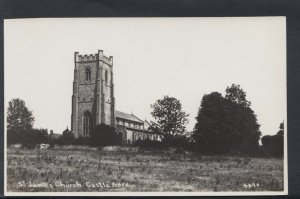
column 93, row 99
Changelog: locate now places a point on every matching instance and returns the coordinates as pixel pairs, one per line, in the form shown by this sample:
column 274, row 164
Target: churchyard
column 117, row 169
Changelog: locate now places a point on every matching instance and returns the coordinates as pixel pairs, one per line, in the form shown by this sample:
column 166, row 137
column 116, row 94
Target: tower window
column 87, row 123
column 106, row 76
column 88, row 75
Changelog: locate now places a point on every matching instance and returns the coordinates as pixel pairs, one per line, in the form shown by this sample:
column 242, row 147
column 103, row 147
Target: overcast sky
column 180, row 57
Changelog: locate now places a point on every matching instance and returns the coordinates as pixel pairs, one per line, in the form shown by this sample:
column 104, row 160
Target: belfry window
column 87, row 123
column 106, row 76
column 88, row 75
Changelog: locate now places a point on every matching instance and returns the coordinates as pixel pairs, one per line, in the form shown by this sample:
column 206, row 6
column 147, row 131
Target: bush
column 82, row 141
column 178, row 141
column 149, row 144
column 65, row 139
column 69, row 139
column 273, row 145
column 29, row 138
column 104, row 135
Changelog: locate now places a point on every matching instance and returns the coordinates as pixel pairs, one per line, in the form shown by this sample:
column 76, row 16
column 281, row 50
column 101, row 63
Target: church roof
column 127, row 116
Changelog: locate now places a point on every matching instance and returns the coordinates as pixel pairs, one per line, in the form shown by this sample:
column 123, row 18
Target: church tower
column 93, row 99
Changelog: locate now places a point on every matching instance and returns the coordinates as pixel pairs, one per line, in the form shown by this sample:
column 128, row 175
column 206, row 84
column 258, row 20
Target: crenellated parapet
column 94, row 57
column 107, row 60
column 84, row 58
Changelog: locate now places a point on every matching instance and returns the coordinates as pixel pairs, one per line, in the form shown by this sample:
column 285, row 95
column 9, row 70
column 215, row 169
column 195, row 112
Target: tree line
column 224, row 125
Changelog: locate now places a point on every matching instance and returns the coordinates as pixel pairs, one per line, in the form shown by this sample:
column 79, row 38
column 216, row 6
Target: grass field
column 129, row 169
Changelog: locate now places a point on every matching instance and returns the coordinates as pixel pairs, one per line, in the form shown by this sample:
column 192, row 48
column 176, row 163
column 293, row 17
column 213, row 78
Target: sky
column 181, row 57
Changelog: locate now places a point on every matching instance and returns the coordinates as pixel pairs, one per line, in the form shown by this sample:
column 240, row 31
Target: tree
column 273, row 145
column 20, row 126
column 236, row 95
column 244, row 119
column 19, row 118
column 226, row 124
column 211, row 130
column 281, row 129
column 169, row 118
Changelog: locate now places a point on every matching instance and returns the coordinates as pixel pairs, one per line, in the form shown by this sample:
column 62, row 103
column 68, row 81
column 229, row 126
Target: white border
column 210, row 193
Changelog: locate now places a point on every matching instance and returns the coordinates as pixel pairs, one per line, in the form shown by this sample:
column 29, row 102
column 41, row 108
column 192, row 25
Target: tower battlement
column 94, row 57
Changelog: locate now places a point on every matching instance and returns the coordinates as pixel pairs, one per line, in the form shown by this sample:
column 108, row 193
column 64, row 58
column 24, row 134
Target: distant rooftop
column 55, row 135
column 127, row 116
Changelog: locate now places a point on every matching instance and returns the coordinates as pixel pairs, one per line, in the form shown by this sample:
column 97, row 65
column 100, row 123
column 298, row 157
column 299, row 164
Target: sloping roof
column 66, row 131
column 127, row 116
column 146, row 122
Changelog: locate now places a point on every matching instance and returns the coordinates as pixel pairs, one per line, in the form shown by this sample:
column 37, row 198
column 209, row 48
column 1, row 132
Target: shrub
column 105, row 135
column 65, row 139
column 178, row 141
column 273, row 145
column 149, row 144
column 83, row 141
column 29, row 138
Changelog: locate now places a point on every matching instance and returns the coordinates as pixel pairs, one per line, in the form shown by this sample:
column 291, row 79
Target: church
column 93, row 101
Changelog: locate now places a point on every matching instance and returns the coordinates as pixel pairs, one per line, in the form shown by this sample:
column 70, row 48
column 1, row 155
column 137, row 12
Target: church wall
column 81, row 69
column 129, row 136
column 86, row 92
column 107, row 103
column 107, row 93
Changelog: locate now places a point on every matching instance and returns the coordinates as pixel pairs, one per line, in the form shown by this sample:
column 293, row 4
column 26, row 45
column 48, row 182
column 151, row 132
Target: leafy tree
column 20, row 126
column 273, row 145
column 19, row 118
column 281, row 129
column 226, row 124
column 236, row 95
column 243, row 119
column 211, row 130
column 105, row 135
column 169, row 118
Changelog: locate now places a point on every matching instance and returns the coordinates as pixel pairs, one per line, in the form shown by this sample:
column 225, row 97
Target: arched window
column 87, row 123
column 106, row 76
column 88, row 74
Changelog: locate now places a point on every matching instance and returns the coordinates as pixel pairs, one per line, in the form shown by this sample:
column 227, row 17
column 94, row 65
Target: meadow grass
column 130, row 169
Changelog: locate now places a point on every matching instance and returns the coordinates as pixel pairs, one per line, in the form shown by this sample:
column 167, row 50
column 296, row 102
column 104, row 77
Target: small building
column 54, row 135
column 66, row 131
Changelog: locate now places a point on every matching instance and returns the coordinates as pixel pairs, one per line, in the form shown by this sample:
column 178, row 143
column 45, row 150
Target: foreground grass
column 129, row 169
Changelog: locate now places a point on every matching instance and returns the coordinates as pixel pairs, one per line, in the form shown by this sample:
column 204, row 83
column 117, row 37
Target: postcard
column 145, row 106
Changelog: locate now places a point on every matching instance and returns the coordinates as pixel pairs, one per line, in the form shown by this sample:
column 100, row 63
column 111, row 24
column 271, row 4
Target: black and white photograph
column 145, row 106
